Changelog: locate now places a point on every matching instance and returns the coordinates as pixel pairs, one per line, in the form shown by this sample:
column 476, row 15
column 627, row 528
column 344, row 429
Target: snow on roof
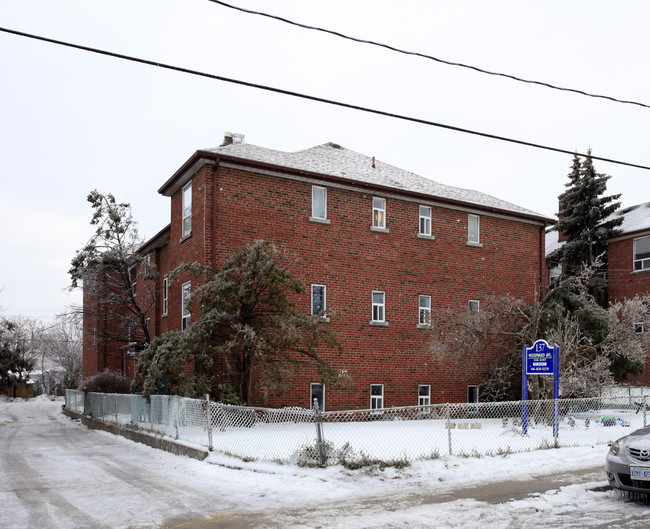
column 635, row 218
column 333, row 160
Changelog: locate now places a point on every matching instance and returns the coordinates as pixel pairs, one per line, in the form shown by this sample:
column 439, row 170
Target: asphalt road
column 55, row 473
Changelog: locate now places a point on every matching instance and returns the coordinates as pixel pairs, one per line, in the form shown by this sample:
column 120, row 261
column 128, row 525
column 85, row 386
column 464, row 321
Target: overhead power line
column 318, row 99
column 430, row 57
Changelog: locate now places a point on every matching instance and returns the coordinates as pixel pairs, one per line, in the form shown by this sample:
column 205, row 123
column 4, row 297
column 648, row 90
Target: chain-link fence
column 390, row 435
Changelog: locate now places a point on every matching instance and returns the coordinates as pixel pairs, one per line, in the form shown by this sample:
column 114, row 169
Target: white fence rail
column 388, row 435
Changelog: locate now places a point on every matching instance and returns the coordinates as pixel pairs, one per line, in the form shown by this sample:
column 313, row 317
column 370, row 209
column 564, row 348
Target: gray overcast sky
column 73, row 121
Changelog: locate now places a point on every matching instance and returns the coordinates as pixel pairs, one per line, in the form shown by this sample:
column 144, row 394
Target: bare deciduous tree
column 598, row 346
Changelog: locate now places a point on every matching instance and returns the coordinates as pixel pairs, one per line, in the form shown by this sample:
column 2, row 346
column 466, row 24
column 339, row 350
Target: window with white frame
column 185, row 296
column 379, row 212
column 473, row 225
column 318, row 300
column 473, row 305
column 642, row 253
column 319, row 202
column 424, row 395
column 425, row 310
column 187, row 210
column 376, row 396
column 165, row 296
column 378, row 306
column 425, row 221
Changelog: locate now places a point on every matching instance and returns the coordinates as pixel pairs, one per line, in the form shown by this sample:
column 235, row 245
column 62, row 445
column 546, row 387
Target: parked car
column 628, row 463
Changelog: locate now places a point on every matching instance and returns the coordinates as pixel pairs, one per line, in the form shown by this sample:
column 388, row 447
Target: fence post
column 318, row 419
column 448, row 427
column 644, row 409
column 151, row 411
column 208, row 417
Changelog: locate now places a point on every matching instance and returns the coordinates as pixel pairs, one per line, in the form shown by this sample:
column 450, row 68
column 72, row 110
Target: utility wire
column 425, row 56
column 318, row 99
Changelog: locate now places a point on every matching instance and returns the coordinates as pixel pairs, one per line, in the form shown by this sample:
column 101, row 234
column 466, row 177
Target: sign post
column 540, row 359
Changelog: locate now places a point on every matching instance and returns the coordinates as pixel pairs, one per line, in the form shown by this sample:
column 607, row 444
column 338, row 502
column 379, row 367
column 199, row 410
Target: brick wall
column 352, row 261
column 233, row 206
column 624, row 283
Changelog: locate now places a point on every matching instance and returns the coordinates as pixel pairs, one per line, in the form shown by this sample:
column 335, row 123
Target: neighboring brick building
column 628, row 260
column 628, row 255
column 378, row 244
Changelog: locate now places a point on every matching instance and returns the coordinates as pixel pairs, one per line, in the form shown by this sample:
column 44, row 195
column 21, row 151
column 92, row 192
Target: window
column 147, row 265
column 318, row 300
column 472, row 394
column 187, row 289
column 318, row 203
column 133, row 278
column 378, row 306
column 639, row 327
column 424, row 395
column 376, row 396
column 147, row 325
column 642, row 253
column 165, row 296
column 379, row 213
column 554, row 273
column 473, row 305
column 473, row 229
column 425, row 310
column 187, row 210
column 425, row 221
column 317, row 393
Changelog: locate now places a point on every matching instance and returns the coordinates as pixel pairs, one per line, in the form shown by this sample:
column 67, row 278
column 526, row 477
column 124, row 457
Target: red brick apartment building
column 380, row 246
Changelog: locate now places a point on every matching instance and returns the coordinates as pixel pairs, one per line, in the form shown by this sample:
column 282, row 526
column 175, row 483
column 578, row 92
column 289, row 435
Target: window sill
column 635, row 272
column 378, row 323
column 319, row 221
column 185, row 237
column 423, row 326
column 475, row 244
column 380, row 230
column 323, row 319
column 430, row 237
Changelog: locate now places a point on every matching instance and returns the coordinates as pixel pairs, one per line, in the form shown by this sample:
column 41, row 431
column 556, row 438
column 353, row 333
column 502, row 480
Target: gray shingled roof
column 333, row 160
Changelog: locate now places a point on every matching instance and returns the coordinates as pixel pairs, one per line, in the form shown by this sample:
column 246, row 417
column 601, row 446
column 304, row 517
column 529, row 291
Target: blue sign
column 539, row 358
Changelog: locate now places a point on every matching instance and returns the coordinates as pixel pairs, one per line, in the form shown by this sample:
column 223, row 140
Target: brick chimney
column 230, row 138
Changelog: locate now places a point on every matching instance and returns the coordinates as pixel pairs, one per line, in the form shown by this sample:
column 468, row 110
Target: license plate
column 640, row 473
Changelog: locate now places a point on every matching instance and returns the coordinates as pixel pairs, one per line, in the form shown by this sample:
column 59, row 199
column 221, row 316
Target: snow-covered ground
column 224, row 488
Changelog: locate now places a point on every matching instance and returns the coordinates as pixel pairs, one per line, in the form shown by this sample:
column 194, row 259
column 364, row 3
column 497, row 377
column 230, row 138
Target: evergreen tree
column 248, row 325
column 585, row 218
column 14, row 365
column 109, row 267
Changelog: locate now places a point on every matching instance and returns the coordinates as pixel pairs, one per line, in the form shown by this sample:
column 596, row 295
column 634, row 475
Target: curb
column 139, row 436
